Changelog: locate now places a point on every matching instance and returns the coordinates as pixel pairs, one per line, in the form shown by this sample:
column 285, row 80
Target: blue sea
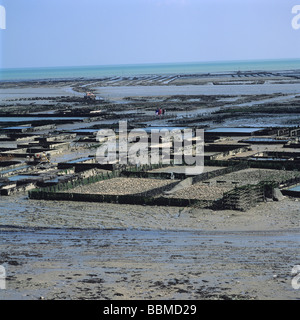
column 95, row 72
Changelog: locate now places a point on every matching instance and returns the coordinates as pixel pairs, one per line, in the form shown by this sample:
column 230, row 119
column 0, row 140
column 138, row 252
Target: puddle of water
column 30, row 119
column 266, row 140
column 14, row 169
column 21, row 177
column 235, row 130
column 80, row 160
column 267, row 159
column 297, row 188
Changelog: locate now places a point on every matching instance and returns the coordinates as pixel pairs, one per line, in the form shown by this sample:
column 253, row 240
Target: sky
column 49, row 33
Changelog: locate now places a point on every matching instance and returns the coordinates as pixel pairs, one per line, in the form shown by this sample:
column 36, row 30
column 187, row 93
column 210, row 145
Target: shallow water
column 121, row 92
column 295, row 188
column 30, row 119
column 13, row 169
column 80, row 160
column 21, row 177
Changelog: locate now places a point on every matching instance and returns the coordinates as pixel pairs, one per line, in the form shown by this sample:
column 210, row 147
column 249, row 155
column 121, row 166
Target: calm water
column 295, row 188
column 30, row 119
column 146, row 69
column 239, row 130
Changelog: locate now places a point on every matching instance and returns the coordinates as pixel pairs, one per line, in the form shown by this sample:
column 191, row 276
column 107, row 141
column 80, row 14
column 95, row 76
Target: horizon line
column 154, row 63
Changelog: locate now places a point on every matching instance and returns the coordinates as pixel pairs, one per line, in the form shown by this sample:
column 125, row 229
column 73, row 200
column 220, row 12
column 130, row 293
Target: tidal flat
column 77, row 250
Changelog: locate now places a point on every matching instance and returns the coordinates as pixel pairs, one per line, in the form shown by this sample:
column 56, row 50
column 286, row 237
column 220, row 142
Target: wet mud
column 106, row 251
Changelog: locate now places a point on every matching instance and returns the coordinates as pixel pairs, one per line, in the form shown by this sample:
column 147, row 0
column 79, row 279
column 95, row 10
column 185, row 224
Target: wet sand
column 130, row 264
column 66, row 250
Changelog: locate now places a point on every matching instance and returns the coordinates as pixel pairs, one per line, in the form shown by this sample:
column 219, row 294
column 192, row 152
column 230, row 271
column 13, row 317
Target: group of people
column 160, row 111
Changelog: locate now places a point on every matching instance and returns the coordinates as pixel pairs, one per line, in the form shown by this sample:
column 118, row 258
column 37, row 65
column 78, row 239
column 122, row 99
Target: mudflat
column 106, row 251
column 75, row 250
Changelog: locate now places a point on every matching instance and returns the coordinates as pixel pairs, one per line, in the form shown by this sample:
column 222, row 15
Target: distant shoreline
column 81, row 73
column 279, row 73
column 116, row 88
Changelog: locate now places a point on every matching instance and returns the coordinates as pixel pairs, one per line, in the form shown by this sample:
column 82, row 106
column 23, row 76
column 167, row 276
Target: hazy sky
column 99, row 32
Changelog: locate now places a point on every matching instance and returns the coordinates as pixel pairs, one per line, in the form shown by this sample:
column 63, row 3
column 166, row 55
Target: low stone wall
column 216, row 173
column 120, row 199
column 150, row 197
column 77, row 180
column 157, row 191
column 14, row 188
column 234, row 166
column 276, row 165
column 86, row 166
